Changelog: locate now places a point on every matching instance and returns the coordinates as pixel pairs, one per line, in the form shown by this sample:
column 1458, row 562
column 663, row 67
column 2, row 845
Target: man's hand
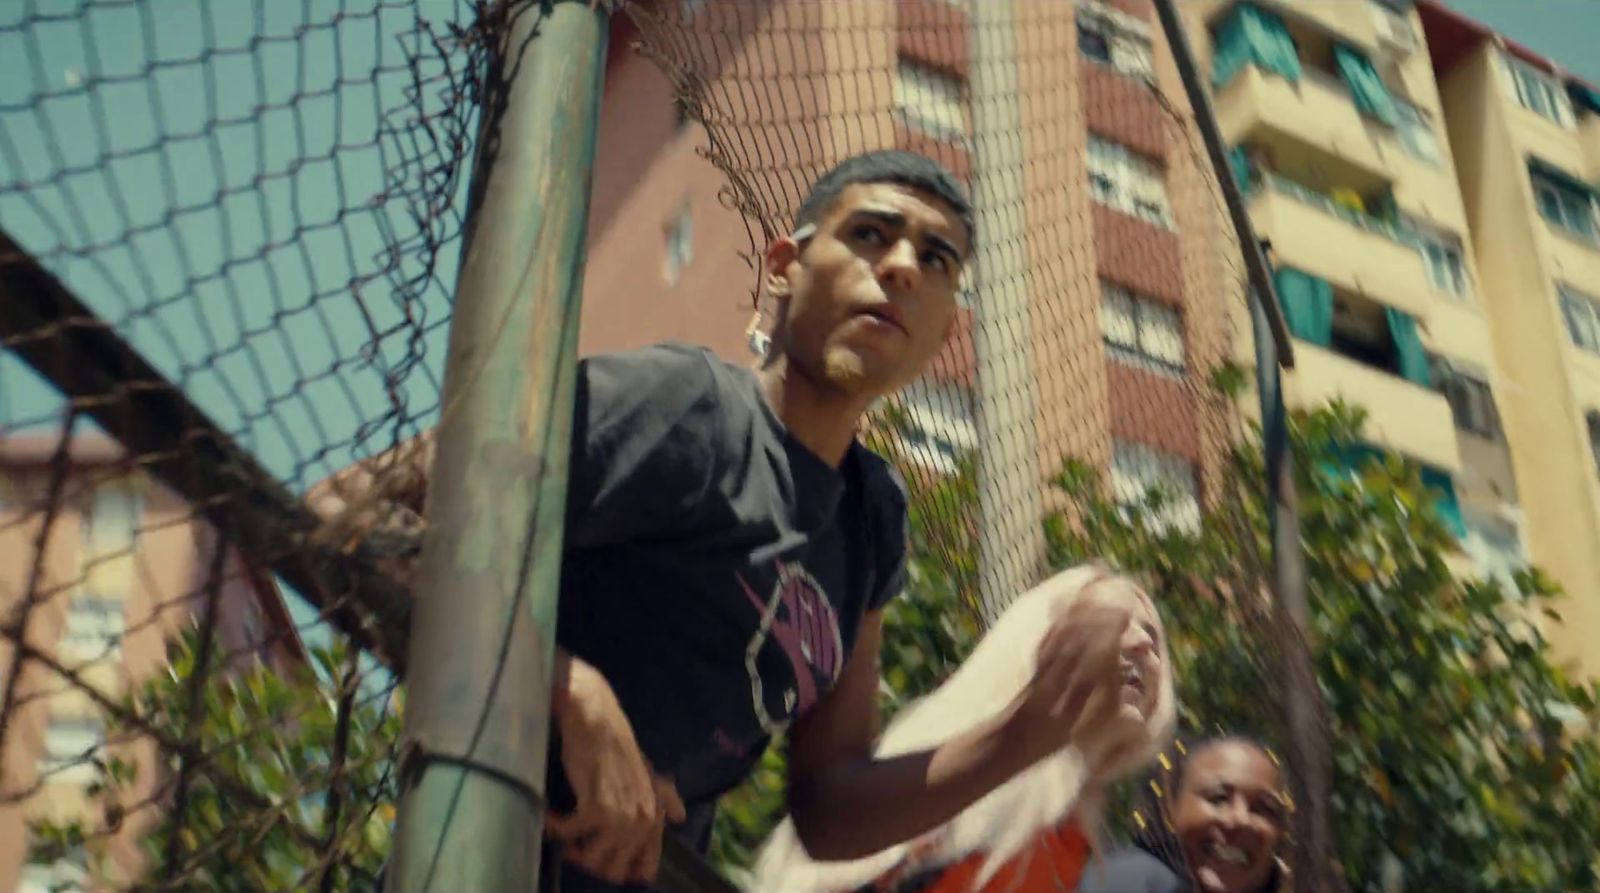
column 623, row 807
column 1076, row 683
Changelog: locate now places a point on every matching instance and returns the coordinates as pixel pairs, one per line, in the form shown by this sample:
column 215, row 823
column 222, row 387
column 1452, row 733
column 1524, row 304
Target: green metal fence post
column 483, row 622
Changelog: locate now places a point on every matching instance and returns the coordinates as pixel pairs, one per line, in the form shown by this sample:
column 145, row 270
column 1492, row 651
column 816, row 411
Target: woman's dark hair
column 1158, row 795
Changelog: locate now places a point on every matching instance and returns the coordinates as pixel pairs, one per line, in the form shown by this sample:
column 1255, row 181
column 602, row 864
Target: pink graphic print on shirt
column 799, row 618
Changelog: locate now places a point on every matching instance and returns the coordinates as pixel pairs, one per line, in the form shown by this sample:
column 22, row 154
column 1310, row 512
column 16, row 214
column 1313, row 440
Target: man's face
column 867, row 300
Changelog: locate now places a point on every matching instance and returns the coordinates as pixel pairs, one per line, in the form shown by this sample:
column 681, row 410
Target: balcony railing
column 1388, row 230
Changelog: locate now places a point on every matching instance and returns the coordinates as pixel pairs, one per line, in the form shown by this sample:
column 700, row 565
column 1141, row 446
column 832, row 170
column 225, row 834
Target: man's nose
column 898, row 267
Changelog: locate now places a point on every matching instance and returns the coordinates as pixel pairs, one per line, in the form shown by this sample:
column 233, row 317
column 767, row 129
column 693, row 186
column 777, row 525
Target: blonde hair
column 1006, row 820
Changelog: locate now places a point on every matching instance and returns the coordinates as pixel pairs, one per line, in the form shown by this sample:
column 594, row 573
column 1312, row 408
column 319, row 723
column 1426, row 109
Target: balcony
column 1355, row 252
column 1402, row 417
column 1353, row 22
column 1311, row 130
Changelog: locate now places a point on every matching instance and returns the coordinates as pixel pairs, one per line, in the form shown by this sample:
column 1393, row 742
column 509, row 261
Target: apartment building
column 124, row 568
column 1416, row 179
column 1106, row 288
column 1526, row 139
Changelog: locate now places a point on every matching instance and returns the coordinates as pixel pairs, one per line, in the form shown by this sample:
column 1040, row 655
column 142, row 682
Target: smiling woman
column 1213, row 824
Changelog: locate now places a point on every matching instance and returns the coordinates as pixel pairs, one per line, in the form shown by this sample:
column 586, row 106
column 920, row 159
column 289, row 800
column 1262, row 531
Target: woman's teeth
column 1230, row 854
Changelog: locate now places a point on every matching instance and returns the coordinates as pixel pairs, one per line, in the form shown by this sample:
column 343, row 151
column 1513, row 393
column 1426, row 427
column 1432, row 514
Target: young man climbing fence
column 730, row 546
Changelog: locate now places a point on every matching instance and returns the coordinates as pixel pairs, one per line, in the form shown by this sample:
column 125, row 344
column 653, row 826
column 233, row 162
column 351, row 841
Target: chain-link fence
column 227, row 262
column 229, row 245
column 1091, row 404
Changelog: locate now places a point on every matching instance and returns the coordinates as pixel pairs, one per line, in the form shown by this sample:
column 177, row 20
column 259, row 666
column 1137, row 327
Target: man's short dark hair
column 888, row 166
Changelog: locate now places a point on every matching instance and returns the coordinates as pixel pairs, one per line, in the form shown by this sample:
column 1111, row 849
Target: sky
column 220, row 181
column 1567, row 31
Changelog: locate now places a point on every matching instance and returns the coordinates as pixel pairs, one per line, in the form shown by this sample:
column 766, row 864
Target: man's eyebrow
column 898, row 220
column 940, row 243
column 882, row 215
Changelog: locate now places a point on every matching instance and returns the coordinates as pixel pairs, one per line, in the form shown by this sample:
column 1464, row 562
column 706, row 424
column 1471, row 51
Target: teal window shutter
column 1443, row 491
column 1367, row 89
column 1252, row 36
column 1239, row 165
column 1408, row 347
column 1307, row 305
column 1584, row 96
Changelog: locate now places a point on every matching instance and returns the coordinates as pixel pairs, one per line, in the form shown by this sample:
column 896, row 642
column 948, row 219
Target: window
column 1592, row 423
column 1565, row 206
column 1138, row 470
column 937, row 437
column 1471, row 400
column 1112, row 38
column 1582, row 314
column 1125, row 180
column 1140, row 330
column 1538, row 92
column 1495, row 548
column 1591, row 420
column 94, row 627
column 1393, row 25
column 680, row 244
column 112, row 524
column 69, row 743
column 1443, row 257
column 1415, row 130
column 930, row 101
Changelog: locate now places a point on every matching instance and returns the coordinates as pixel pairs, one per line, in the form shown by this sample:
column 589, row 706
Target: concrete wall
column 1544, row 383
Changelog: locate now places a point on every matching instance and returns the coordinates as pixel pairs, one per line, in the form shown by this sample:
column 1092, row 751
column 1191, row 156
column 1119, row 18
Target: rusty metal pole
column 1304, row 711
column 483, row 622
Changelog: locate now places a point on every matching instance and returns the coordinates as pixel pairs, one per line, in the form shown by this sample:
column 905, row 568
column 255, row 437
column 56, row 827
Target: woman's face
column 1229, row 817
column 1140, row 654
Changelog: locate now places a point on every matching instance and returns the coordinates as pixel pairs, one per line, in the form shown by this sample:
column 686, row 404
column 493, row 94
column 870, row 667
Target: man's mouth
column 883, row 314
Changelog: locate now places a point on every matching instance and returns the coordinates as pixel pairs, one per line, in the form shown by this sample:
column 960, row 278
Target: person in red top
column 1035, row 832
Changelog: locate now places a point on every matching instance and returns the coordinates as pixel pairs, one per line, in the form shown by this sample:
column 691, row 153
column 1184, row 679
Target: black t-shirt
column 716, row 570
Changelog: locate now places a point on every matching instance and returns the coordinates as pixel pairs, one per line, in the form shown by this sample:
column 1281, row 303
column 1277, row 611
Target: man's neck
column 822, row 418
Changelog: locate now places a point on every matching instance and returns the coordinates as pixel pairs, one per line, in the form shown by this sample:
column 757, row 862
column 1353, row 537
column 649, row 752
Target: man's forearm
column 861, row 807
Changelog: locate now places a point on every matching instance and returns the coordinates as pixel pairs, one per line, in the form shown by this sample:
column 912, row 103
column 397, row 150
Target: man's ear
column 781, row 253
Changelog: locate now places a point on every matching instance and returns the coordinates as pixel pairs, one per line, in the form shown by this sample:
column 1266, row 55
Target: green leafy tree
column 280, row 798
column 1462, row 752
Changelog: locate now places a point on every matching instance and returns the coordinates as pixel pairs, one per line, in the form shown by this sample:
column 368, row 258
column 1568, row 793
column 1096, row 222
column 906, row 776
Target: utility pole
column 483, row 624
column 1304, row 712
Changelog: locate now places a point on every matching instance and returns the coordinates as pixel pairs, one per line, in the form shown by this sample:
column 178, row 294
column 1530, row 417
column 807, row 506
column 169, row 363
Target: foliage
column 272, row 735
column 1462, row 752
